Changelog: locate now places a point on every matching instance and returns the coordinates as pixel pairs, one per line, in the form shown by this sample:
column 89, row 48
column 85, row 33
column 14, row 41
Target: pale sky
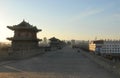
column 64, row 19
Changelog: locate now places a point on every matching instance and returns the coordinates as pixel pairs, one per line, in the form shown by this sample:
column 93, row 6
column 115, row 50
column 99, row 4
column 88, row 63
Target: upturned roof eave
column 11, row 39
column 22, row 28
column 10, row 27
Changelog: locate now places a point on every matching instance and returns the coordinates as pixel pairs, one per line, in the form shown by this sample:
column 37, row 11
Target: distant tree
column 4, row 46
column 68, row 43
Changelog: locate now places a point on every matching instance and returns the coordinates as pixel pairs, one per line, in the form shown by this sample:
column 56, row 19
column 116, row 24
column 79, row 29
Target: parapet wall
column 107, row 64
column 21, row 54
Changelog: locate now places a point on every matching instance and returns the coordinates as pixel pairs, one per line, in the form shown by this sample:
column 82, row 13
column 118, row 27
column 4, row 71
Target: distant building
column 111, row 47
column 106, row 47
column 45, row 40
column 84, row 45
column 95, row 46
column 92, row 46
column 24, row 39
column 72, row 42
column 55, row 43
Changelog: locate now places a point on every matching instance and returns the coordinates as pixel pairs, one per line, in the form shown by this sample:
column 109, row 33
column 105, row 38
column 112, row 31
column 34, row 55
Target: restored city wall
column 105, row 63
column 21, row 54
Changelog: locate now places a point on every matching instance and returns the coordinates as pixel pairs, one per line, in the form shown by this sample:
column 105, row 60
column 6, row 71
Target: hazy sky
column 64, row 19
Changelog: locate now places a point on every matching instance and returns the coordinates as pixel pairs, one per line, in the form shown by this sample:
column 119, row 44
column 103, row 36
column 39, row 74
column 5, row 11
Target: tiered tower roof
column 24, row 26
column 53, row 39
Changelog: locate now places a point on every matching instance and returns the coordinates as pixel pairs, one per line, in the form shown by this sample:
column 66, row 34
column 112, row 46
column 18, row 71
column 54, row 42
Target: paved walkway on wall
column 65, row 63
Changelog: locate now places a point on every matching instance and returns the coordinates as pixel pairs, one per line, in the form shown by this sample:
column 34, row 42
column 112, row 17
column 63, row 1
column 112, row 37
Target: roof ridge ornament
column 24, row 20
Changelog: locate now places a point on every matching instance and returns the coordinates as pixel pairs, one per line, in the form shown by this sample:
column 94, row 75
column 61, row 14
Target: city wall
column 105, row 63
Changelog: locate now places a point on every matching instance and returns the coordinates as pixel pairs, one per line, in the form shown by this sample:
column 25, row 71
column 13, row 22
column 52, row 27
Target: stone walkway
column 65, row 63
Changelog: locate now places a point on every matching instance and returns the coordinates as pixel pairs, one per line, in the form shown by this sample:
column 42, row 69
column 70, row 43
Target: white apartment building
column 111, row 47
column 105, row 47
